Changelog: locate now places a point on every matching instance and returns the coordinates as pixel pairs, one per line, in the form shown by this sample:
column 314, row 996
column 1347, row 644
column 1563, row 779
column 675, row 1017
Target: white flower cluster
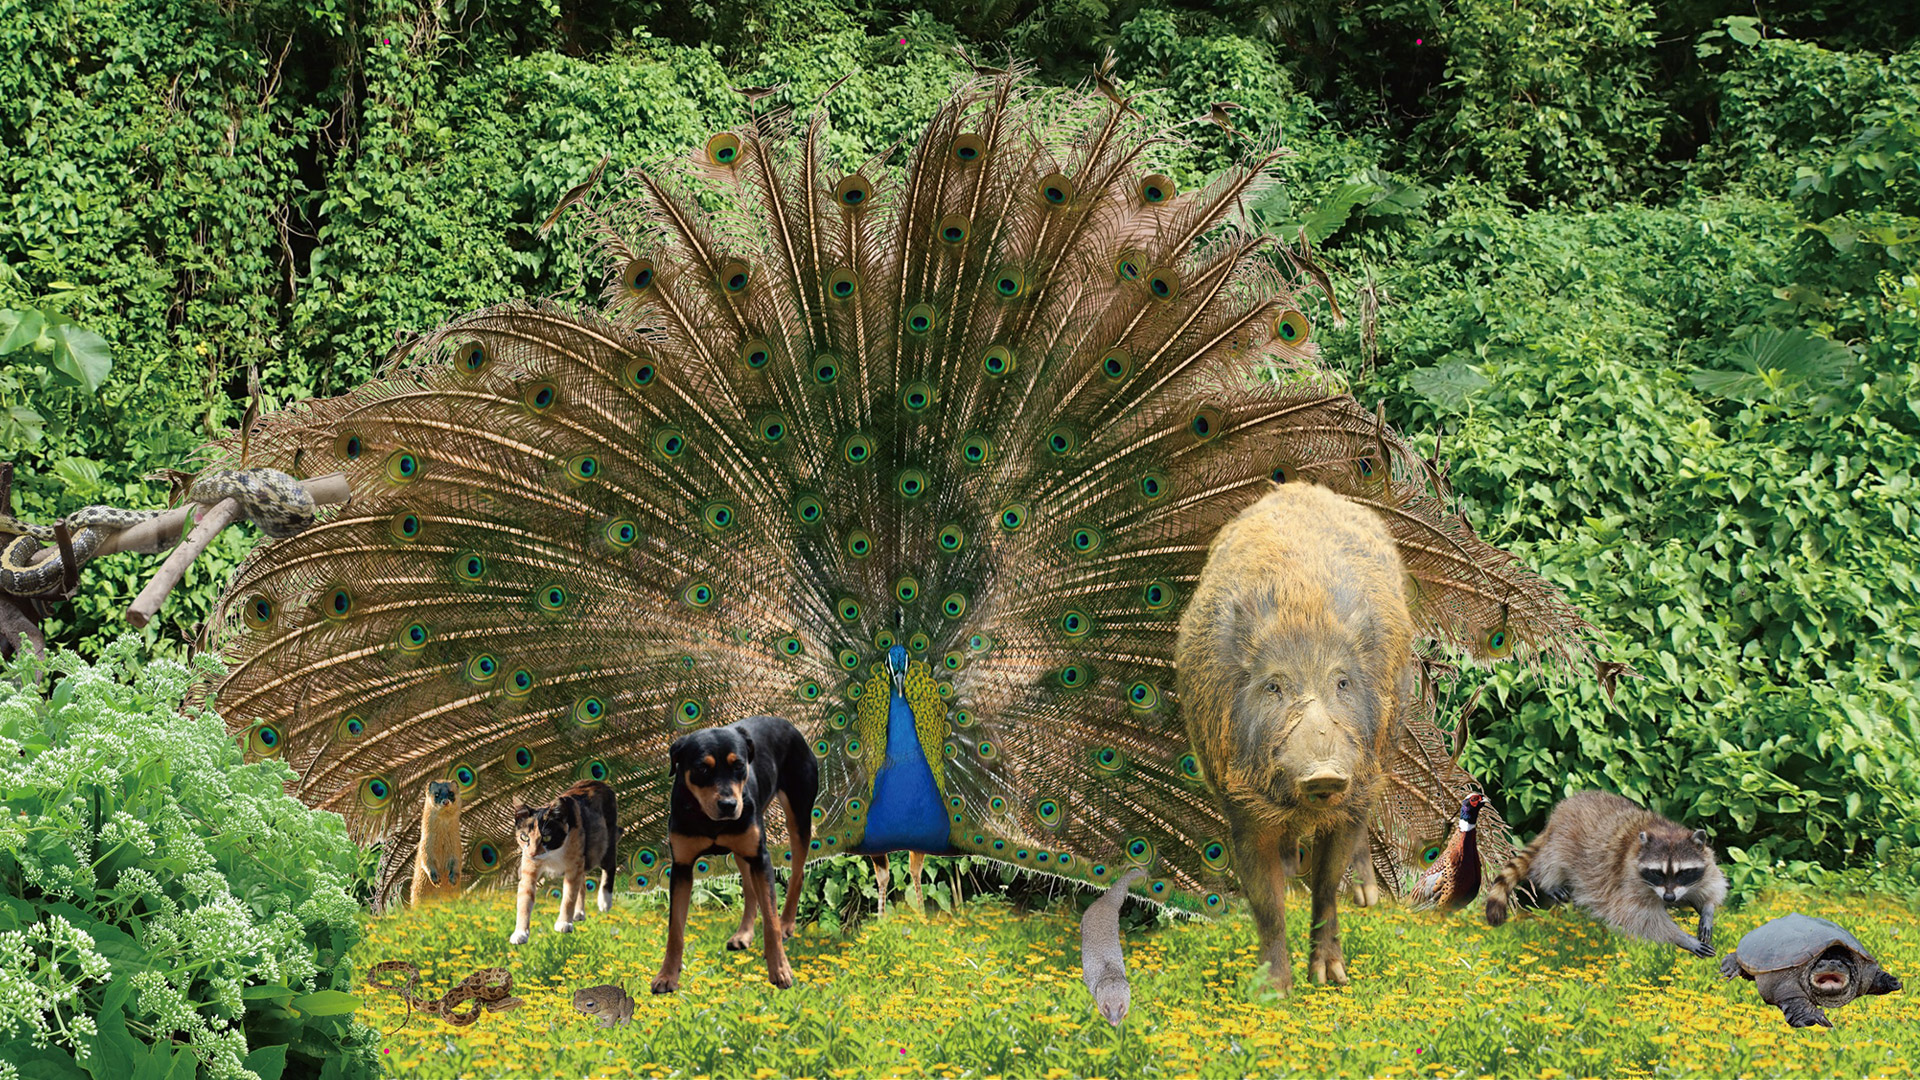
column 221, row 879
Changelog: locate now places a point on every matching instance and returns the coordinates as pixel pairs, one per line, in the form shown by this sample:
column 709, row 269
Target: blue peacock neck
column 908, row 811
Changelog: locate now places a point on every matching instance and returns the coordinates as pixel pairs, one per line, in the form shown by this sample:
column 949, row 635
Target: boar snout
column 1324, row 782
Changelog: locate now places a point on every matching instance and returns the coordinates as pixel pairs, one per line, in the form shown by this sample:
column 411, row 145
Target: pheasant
column 1453, row 879
column 923, row 459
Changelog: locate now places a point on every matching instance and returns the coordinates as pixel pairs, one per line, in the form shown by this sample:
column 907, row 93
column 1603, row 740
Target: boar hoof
column 1326, row 970
column 1363, row 893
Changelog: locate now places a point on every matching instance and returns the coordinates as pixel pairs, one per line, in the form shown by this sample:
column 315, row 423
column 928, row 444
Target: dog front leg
column 778, row 971
column 749, row 907
column 681, row 895
column 523, row 912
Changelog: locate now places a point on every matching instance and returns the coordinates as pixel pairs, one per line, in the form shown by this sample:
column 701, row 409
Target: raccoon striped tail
column 1515, row 872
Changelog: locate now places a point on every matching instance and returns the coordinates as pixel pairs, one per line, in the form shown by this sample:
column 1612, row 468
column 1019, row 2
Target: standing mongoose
column 436, row 862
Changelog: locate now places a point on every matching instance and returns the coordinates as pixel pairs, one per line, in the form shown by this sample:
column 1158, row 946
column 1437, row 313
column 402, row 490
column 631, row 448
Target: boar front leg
column 1263, row 877
column 1332, row 855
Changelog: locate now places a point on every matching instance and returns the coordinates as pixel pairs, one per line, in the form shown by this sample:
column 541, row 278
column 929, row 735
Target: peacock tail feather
column 992, row 410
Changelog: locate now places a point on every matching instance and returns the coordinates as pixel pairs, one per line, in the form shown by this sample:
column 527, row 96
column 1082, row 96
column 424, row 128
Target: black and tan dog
column 723, row 780
column 565, row 840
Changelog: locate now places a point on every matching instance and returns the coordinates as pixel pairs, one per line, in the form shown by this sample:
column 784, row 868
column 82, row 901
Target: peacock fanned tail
column 991, row 409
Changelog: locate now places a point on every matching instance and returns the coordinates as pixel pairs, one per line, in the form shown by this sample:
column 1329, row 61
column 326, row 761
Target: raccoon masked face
column 1672, row 865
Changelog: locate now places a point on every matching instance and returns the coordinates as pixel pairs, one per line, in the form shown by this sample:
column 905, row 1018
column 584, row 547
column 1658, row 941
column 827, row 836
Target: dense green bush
column 161, row 902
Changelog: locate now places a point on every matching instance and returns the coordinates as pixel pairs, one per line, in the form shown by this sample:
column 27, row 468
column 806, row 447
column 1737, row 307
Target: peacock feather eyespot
column 1430, row 854
column 1159, row 888
column 859, row 544
column 853, row 191
column 638, row 275
column 953, row 228
column 917, row 397
column 1143, row 696
column 405, row 527
column 1497, row 642
column 951, row 750
column 553, row 598
column 1055, row 189
column 1163, row 282
column 1049, row 811
column 976, row 450
column 1130, row 265
column 919, row 643
column 1011, row 284
column 719, row 516
column 470, row 567
column 593, row 770
column 1281, row 473
column 688, row 711
column 920, row 319
column 669, row 443
column 1207, row 423
column 465, row 776
column 944, row 690
column 473, row 358
column 1117, row 364
column 848, row 609
column 539, row 396
column 351, row 726
column 1292, row 328
column 520, row 683
column 258, row 612
column 857, row 450
column 724, row 148
column 589, row 711
column 998, row 361
column 1109, row 759
column 1063, row 440
column 621, row 533
column 1013, row 517
column 953, row 605
column 1154, row 486
column 734, row 276
column 375, row 792
column 987, row 752
column 952, row 538
column 1076, row 623
column 1158, row 595
column 791, row 646
column 979, row 642
column 906, row 590
column 847, row 659
column 913, row 483
column 1156, row 188
column 482, row 668
column 755, row 354
column 639, row 372
column 414, row 637
column 821, row 748
column 486, row 856
column 999, row 845
column 349, row 446
column 809, row 509
column 1074, row 676
column 854, row 691
column 843, row 283
column 699, row 594
column 403, row 467
column 519, row 760
column 338, row 604
column 1367, row 468
column 883, row 641
column 264, row 740
column 968, row 148
column 852, row 749
column 1214, row 854
column 953, row 661
column 809, row 691
column 1215, row 901
column 1100, row 870
column 1086, row 540
column 583, row 468
column 1065, row 859
column 1190, row 767
column 773, row 427
column 1140, row 850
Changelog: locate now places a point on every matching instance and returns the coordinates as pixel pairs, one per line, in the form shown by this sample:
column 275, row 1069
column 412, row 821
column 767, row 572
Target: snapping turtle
column 1803, row 965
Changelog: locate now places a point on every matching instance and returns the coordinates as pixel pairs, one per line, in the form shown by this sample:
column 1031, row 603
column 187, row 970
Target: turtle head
column 1832, row 978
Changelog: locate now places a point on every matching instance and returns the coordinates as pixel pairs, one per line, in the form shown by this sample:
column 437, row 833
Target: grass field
column 988, row 992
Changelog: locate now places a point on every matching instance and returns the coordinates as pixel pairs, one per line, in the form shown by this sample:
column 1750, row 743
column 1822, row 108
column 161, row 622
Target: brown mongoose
column 436, row 862
column 1103, row 967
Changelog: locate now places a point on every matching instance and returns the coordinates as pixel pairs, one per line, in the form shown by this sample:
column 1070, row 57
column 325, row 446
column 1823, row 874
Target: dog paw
column 739, row 941
column 786, row 928
column 519, row 938
column 780, row 975
column 666, row 984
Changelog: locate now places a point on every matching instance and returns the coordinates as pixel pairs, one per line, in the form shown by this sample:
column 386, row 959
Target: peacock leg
column 880, row 876
column 1331, row 856
column 916, row 861
column 1263, row 876
column 749, row 904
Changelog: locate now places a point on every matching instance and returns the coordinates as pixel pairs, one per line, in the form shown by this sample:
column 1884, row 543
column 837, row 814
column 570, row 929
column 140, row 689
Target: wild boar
column 1293, row 660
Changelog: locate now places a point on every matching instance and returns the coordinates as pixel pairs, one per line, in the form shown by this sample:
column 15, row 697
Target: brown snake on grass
column 489, row 989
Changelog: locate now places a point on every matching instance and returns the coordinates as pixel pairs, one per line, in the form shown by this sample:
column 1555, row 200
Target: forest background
column 1650, row 276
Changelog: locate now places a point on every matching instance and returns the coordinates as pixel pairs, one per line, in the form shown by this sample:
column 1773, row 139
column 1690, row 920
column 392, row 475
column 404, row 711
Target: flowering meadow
column 990, row 992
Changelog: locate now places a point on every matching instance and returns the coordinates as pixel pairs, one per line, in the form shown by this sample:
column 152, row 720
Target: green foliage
column 162, row 904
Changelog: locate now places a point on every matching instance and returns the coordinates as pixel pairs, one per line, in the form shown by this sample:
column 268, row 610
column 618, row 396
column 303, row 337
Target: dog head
column 713, row 765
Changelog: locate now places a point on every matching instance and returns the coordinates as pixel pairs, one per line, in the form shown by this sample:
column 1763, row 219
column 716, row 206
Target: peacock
column 923, row 458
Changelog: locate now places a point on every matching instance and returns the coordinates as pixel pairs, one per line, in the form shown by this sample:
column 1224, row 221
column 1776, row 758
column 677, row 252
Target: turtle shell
column 1792, row 940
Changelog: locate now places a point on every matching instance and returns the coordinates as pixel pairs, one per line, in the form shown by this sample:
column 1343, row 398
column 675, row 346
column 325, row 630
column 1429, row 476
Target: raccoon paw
column 1697, row 947
column 1496, row 910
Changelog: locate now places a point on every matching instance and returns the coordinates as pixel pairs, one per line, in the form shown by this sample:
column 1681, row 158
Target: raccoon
column 1624, row 864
